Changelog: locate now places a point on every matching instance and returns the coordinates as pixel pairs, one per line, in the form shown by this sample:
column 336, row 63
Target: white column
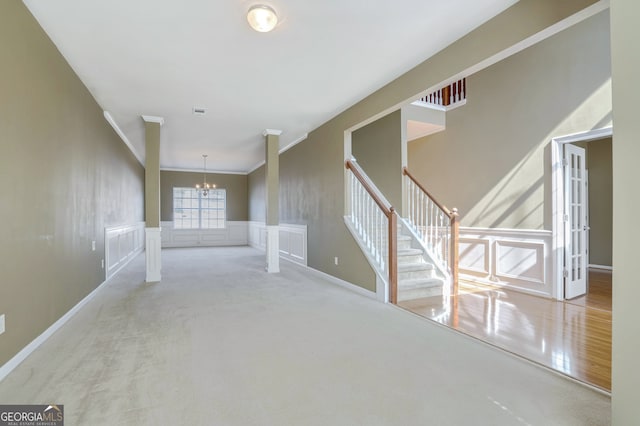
column 152, row 197
column 272, row 187
column 273, row 249
column 152, row 254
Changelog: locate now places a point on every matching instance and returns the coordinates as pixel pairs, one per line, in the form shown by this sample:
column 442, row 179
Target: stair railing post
column 393, row 257
column 455, row 233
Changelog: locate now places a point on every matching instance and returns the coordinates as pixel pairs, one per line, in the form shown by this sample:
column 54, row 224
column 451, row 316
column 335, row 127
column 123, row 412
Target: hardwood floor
column 599, row 295
column 573, row 337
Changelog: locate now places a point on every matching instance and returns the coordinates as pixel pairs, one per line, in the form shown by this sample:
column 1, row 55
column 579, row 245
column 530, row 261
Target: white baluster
column 354, row 203
column 421, row 214
column 441, row 236
column 367, row 215
column 409, row 202
column 360, row 201
column 431, row 220
column 379, row 243
column 357, row 209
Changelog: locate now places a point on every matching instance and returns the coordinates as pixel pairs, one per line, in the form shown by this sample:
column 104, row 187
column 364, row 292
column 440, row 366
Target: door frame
column 557, row 199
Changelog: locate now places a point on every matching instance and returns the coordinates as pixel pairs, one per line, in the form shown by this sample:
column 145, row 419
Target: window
column 192, row 210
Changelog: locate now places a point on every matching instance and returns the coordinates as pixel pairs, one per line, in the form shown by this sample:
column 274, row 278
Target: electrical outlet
column 335, row 260
column 1, row 323
column 93, row 246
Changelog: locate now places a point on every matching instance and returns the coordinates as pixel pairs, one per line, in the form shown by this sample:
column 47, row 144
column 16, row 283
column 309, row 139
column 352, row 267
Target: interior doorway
column 576, row 220
column 581, row 209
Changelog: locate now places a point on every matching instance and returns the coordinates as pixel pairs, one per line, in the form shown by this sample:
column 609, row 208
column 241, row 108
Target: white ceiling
column 164, row 57
column 418, row 129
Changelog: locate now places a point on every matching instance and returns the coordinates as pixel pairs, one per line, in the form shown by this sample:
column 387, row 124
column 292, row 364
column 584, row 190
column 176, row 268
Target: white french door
column 576, row 226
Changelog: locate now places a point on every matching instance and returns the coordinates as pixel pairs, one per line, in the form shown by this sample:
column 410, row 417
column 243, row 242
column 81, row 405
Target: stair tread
column 417, row 287
column 420, row 282
column 419, row 293
column 409, row 251
column 415, row 266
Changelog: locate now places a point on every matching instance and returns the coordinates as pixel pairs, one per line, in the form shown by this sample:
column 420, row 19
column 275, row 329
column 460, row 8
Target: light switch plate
column 1, row 323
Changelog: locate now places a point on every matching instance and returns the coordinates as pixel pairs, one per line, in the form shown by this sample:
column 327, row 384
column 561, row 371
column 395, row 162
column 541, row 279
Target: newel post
column 455, row 232
column 393, row 257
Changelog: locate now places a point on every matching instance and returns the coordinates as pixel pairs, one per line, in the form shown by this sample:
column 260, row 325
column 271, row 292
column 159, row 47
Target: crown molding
column 289, row 146
column 114, row 125
column 200, row 171
column 294, row 143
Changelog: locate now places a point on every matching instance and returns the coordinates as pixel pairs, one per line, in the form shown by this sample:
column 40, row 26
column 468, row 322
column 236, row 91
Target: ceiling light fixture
column 262, row 18
column 205, row 187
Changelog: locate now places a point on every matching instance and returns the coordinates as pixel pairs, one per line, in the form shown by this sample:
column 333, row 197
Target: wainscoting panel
column 520, row 260
column 292, row 239
column 474, row 255
column 298, row 245
column 234, row 234
column 122, row 243
column 513, row 258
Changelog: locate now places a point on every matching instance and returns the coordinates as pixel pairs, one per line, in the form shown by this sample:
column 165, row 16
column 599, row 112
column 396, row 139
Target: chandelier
column 205, row 187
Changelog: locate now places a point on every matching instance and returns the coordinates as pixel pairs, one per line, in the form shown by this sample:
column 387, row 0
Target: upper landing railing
column 448, row 97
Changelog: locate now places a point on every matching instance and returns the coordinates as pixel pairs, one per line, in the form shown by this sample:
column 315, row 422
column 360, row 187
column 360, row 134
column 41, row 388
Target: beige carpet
column 221, row 342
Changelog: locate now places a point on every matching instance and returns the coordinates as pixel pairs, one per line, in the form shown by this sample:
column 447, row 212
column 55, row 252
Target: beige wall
column 256, row 190
column 626, row 205
column 311, row 193
column 599, row 165
column 495, row 151
column 236, row 186
column 64, row 176
column 377, row 148
column 312, row 172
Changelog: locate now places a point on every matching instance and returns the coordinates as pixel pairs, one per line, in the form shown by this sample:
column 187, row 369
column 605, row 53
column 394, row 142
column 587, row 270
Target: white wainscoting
column 514, row 258
column 233, row 234
column 122, row 243
column 292, row 241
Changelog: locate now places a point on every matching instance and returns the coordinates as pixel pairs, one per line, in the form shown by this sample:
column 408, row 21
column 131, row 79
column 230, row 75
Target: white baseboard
column 603, row 267
column 10, row 365
column 337, row 281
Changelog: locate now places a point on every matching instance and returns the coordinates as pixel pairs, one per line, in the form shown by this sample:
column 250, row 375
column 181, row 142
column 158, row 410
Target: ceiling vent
column 199, row 111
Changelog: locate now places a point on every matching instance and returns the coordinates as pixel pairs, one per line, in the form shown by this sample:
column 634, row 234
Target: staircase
column 417, row 278
column 413, row 257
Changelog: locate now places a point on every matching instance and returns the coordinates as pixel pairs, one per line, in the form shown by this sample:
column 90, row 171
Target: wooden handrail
column 448, row 212
column 390, row 213
column 387, row 209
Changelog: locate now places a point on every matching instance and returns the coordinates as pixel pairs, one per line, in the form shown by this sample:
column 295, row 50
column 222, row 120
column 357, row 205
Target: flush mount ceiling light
column 262, row 18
